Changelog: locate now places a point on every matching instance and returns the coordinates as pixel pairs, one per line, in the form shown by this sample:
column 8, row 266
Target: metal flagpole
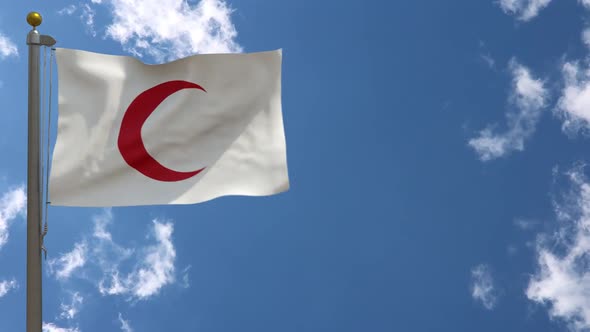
column 34, row 303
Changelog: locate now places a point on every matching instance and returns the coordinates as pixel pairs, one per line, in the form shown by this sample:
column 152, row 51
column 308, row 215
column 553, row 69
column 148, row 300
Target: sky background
column 437, row 156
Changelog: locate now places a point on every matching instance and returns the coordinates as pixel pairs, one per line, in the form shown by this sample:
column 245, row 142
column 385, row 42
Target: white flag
column 177, row 133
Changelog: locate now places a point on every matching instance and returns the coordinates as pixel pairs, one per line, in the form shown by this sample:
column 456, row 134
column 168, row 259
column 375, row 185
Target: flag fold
column 182, row 132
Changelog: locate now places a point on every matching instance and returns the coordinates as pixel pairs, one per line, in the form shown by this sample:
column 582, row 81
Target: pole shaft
column 34, row 293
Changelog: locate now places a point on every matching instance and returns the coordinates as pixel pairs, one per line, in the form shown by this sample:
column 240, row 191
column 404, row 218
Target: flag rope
column 46, row 135
column 42, row 135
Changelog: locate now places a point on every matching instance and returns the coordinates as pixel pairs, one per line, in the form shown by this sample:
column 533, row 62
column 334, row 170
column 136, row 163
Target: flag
column 182, row 132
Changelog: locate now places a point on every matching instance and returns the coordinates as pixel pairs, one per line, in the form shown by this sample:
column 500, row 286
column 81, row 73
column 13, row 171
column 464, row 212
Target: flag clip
column 45, row 229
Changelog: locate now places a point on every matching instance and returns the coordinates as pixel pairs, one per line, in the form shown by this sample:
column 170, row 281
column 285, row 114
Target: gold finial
column 34, row 19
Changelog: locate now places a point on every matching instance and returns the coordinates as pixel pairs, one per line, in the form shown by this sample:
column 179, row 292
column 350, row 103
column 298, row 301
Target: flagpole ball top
column 34, row 19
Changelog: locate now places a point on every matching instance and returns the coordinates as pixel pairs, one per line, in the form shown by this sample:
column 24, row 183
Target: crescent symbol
column 130, row 142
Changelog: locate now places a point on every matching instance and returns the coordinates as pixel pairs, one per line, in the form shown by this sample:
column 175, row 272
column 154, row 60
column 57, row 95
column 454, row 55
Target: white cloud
column 574, row 104
column 12, row 204
column 125, row 327
column 7, row 47
column 69, row 10
column 100, row 226
column 87, row 17
column 113, row 287
column 491, row 146
column 66, row 264
column 6, row 286
column 482, row 286
column 87, row 14
column 586, row 3
column 562, row 281
column 170, row 29
column 529, row 93
column 157, row 267
column 529, row 97
column 108, row 254
column 154, row 270
column 525, row 10
column 153, row 267
column 69, row 311
column 50, row 327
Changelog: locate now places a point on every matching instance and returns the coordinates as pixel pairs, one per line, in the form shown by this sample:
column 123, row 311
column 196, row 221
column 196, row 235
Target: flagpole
column 34, row 291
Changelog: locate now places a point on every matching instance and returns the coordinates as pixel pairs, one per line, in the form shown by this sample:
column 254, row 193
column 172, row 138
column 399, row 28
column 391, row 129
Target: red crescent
column 130, row 142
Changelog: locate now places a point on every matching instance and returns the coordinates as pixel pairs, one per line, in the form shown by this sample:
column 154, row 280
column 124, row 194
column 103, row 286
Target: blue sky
column 437, row 156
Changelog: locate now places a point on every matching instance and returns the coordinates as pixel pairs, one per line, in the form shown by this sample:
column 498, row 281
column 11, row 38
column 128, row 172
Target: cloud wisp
column 154, row 270
column 7, row 47
column 63, row 266
column 524, row 10
column 51, row 327
column 528, row 98
column 482, row 286
column 586, row 37
column 488, row 60
column 562, row 281
column 152, row 266
column 7, row 285
column 85, row 13
column 12, row 204
column 69, row 311
column 526, row 224
column 125, row 325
